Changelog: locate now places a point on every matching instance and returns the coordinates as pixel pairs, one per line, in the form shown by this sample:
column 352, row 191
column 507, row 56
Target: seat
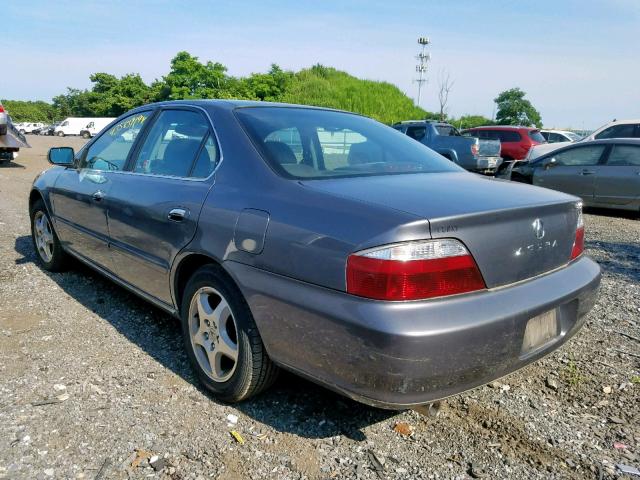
column 364, row 152
column 281, row 152
column 178, row 157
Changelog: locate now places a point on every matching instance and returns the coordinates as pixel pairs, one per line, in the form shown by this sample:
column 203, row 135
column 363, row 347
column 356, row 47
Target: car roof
column 503, row 127
column 232, row 104
column 555, row 130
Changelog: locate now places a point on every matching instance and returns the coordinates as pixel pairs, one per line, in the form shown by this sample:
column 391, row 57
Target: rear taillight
column 475, row 149
column 578, row 243
column 413, row 271
column 1, row 109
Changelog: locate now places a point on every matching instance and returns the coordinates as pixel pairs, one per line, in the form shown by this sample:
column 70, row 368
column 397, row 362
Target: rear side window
column 176, row 140
column 508, row 136
column 578, row 157
column 624, row 155
column 417, row 133
column 618, row 131
column 536, row 136
column 334, row 144
column 110, row 151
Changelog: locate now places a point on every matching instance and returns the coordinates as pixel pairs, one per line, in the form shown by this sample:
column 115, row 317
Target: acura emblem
column 538, row 228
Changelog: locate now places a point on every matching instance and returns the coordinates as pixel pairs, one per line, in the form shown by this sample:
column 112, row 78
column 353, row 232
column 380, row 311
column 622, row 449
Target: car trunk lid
column 514, row 231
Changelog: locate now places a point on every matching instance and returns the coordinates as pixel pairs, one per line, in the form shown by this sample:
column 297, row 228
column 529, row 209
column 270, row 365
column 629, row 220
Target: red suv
column 516, row 141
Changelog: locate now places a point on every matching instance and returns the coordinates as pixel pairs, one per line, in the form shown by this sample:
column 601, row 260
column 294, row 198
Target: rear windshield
column 305, row 143
column 447, row 131
column 536, row 136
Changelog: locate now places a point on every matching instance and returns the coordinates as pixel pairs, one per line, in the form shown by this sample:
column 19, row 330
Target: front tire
column 45, row 241
column 222, row 341
column 86, row 135
column 60, row 134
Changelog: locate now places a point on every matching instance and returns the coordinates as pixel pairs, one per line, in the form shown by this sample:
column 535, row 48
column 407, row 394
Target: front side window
column 173, row 143
column 110, row 151
column 617, row 131
column 335, row 144
column 624, row 155
column 580, row 157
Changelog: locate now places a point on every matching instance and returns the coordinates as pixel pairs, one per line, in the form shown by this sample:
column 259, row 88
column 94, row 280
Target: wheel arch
column 185, row 266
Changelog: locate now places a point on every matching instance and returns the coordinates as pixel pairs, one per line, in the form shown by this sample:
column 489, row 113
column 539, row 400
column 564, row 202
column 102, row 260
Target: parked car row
column 481, row 155
column 86, row 127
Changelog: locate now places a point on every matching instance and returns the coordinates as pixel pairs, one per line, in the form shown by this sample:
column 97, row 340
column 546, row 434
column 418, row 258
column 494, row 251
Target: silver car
column 322, row 242
column 604, row 173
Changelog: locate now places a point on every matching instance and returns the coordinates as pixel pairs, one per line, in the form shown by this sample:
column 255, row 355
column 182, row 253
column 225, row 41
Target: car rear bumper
column 486, row 164
column 401, row 354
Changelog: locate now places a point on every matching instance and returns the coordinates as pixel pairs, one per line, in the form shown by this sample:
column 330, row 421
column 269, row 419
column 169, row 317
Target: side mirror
column 63, row 156
column 551, row 162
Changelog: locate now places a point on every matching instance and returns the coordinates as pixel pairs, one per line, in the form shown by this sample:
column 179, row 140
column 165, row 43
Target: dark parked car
column 604, row 173
column 322, row 242
column 515, row 141
column 481, row 156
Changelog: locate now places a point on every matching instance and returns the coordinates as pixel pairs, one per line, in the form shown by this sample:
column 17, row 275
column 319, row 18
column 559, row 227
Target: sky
column 578, row 61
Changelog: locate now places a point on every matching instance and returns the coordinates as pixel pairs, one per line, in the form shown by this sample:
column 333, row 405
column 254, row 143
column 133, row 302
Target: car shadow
column 611, row 212
column 291, row 405
column 616, row 258
column 11, row 164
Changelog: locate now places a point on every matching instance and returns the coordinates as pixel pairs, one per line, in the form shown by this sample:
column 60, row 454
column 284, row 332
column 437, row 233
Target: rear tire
column 217, row 325
column 3, row 129
column 45, row 241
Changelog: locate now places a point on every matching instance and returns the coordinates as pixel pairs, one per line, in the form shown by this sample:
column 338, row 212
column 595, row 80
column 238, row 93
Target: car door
column 570, row 170
column 154, row 207
column 79, row 194
column 617, row 181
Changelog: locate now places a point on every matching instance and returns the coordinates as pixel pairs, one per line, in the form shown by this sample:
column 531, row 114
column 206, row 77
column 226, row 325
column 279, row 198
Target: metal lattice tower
column 423, row 58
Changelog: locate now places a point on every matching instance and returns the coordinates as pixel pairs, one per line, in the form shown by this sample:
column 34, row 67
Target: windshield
column 573, row 136
column 305, row 143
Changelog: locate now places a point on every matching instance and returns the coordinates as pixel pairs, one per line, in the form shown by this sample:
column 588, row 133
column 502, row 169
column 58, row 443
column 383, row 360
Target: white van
column 95, row 126
column 72, row 126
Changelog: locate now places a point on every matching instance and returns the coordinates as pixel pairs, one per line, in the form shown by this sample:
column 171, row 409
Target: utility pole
column 421, row 67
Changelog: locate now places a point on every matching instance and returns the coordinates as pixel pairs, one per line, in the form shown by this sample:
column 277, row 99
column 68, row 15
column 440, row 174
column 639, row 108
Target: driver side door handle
column 177, row 214
column 587, row 172
column 98, row 196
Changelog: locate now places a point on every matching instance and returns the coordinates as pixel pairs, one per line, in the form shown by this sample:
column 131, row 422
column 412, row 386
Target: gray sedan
column 321, row 242
column 604, row 173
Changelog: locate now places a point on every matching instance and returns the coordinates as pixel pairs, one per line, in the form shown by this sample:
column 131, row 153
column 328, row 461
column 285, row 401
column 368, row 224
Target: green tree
column 514, row 109
column 30, row 111
column 471, row 121
column 189, row 78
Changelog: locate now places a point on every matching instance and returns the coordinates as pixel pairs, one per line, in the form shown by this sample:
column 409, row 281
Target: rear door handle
column 98, row 196
column 177, row 214
column 587, row 172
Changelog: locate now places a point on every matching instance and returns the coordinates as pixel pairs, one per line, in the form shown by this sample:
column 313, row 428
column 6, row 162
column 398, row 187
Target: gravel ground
column 94, row 383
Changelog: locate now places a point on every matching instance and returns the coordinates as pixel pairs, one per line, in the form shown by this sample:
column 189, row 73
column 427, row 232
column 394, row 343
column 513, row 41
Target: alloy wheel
column 43, row 236
column 213, row 333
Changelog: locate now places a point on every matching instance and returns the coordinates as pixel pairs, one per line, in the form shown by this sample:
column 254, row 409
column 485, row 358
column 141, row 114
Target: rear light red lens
column 1, row 109
column 578, row 244
column 440, row 272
